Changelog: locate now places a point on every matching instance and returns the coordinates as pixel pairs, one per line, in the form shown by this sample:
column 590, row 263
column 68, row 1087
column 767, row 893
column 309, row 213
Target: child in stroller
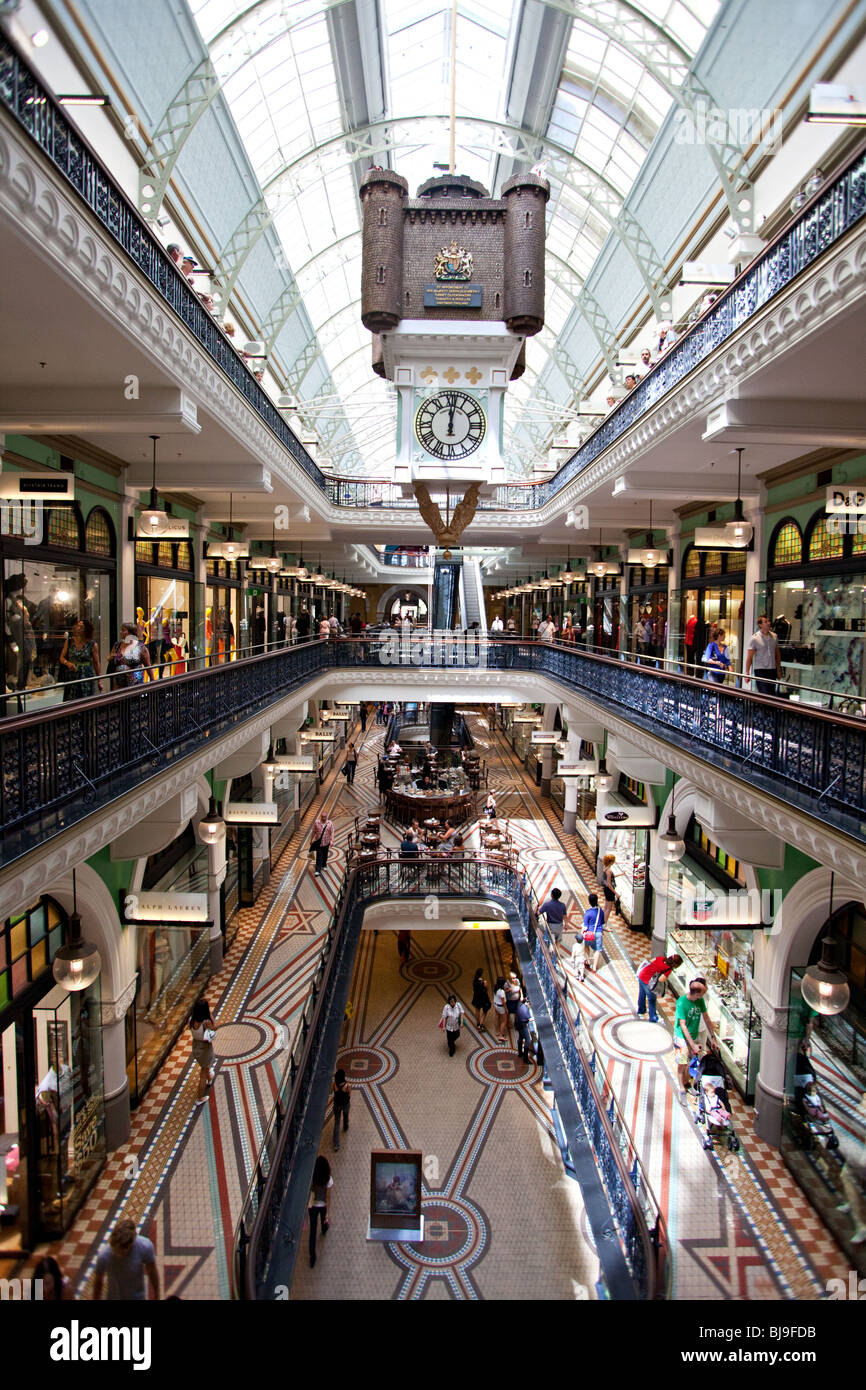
column 714, row 1106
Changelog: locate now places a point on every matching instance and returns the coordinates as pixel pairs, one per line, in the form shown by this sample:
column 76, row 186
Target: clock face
column 450, row 425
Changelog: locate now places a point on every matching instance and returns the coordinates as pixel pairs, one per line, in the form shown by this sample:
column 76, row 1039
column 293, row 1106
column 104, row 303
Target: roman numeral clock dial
column 450, row 425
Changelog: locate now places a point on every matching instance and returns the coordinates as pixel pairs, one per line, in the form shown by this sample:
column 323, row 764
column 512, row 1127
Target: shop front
column 51, row 1086
column 647, row 622
column 47, row 587
column 603, row 632
column 706, row 931
column 824, row 1116
column 222, row 597
column 169, row 608
column 623, row 826
column 815, row 598
column 713, row 592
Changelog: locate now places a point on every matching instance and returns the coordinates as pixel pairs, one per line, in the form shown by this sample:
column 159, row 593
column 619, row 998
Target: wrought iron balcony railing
column 36, row 112
column 62, row 764
column 273, row 1210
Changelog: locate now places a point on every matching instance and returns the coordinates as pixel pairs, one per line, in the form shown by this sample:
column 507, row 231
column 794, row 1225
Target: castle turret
column 382, row 194
column 525, row 196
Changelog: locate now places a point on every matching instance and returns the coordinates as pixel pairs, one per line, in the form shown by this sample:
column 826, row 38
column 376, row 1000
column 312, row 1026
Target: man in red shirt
column 648, row 977
column 690, row 643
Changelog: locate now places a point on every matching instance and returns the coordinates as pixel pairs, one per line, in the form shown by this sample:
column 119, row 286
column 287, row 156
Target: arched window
column 99, row 533
column 165, row 555
column 823, row 545
column 144, row 552
column 184, row 556
column 28, row 943
column 858, row 543
column 691, row 563
column 713, row 562
column 62, row 529
column 735, row 560
column 787, row 547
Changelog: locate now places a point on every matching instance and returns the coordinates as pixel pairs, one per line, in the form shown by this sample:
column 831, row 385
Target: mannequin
column 141, row 625
column 19, row 635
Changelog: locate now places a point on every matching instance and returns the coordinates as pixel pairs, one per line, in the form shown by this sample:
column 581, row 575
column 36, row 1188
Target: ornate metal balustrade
column 62, row 764
column 34, row 109
column 812, row 758
column 268, row 1231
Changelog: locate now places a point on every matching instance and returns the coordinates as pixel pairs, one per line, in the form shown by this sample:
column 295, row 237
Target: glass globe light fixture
column 824, row 987
column 603, row 778
column 671, row 844
column 738, row 531
column 212, row 827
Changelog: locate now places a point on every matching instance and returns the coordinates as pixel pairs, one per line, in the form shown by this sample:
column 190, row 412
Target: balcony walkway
column 739, row 1231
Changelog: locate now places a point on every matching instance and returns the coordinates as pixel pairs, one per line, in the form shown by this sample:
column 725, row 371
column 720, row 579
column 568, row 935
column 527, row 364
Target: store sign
column 716, row 538
column 493, row 924
column 240, row 550
column 173, row 528
column 587, row 768
column 320, row 736
column 251, row 813
column 845, row 499
column 539, row 736
column 290, row 762
column 38, row 487
column 635, row 556
column 166, row 907
column 335, row 716
column 612, row 811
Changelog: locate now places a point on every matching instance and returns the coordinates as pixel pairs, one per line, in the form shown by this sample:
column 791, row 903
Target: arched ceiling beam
column 371, row 142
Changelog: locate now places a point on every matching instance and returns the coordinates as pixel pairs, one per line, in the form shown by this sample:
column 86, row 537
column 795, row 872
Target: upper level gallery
column 134, row 351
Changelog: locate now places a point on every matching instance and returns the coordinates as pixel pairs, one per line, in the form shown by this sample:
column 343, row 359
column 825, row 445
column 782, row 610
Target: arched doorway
column 400, row 597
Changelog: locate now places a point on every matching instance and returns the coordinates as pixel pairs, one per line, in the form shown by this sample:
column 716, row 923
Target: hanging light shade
column 212, row 827
column 231, row 547
column 824, row 987
column 603, row 778
column 599, row 569
column 270, row 763
column 651, row 555
column 671, row 844
column 154, row 519
column 738, row 531
column 77, row 964
column 301, row 571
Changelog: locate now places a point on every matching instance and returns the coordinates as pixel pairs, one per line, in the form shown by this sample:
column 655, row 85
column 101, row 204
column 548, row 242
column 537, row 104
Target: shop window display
column 824, row 1119
column 724, row 955
column 173, row 962
column 42, row 600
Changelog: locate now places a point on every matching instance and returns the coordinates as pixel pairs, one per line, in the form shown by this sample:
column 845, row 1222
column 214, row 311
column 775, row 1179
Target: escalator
column 472, row 593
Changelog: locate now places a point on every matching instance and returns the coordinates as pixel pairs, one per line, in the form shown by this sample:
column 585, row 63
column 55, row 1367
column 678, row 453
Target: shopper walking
column 500, row 1009
column 124, row 1264
column 593, row 935
column 556, row 912
column 649, row 976
column 763, row 653
column 129, row 658
column 80, row 659
column 452, row 1021
column 691, row 1008
column 320, row 1202
column 362, row 711
column 607, row 883
column 203, row 1031
column 513, row 996
column 717, row 659
column 342, row 1101
column 351, row 764
column 480, row 998
column 323, row 835
column 522, row 1017
column 404, row 944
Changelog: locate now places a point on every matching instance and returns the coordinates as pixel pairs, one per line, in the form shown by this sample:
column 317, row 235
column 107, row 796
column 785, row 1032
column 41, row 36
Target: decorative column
column 115, row 1082
column 572, row 755
column 126, row 556
column 770, row 1086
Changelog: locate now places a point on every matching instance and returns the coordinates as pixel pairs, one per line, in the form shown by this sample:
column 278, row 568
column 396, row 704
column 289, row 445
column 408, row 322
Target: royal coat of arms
column 453, row 263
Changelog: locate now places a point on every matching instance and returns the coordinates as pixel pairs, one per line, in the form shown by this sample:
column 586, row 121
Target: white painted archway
column 383, row 606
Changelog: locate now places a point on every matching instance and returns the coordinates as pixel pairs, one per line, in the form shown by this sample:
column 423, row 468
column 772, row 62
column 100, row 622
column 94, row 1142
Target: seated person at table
column 415, row 828
column 449, row 831
column 490, row 806
column 395, row 750
column 409, row 844
column 425, row 785
column 454, row 846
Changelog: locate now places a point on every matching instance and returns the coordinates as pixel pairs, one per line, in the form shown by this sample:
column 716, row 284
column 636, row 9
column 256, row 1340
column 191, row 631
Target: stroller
column 811, row 1120
column 714, row 1106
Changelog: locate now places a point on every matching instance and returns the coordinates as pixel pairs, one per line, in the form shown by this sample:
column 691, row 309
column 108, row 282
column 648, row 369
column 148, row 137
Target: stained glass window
column 165, row 555
column 692, row 563
column 823, row 545
column 63, row 528
column 713, row 562
column 98, row 539
column 788, row 549
column 858, row 543
column 736, row 560
column 28, row 943
column 184, row 556
column 144, row 552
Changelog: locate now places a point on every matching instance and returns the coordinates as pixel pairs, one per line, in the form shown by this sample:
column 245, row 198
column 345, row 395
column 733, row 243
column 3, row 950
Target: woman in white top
column 501, row 1011
column 320, row 1202
column 451, row 1020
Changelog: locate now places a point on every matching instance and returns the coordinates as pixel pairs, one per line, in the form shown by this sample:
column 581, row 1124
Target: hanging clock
column 450, row 425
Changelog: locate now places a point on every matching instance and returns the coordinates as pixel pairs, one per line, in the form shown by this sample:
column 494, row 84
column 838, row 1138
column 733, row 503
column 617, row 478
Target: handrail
column 59, row 764
column 628, row 1189
column 35, row 110
column 829, row 215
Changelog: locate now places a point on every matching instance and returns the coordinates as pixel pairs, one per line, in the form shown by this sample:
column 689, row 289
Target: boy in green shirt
column 691, row 1008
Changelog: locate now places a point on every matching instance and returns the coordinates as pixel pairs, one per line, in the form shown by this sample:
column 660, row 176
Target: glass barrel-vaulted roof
column 299, row 79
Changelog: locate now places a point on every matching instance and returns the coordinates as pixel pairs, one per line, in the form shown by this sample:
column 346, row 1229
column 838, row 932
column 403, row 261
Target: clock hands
column 451, row 409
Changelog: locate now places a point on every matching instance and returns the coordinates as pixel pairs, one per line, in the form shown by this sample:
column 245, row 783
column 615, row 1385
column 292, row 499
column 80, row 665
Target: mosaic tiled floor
column 739, row 1229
